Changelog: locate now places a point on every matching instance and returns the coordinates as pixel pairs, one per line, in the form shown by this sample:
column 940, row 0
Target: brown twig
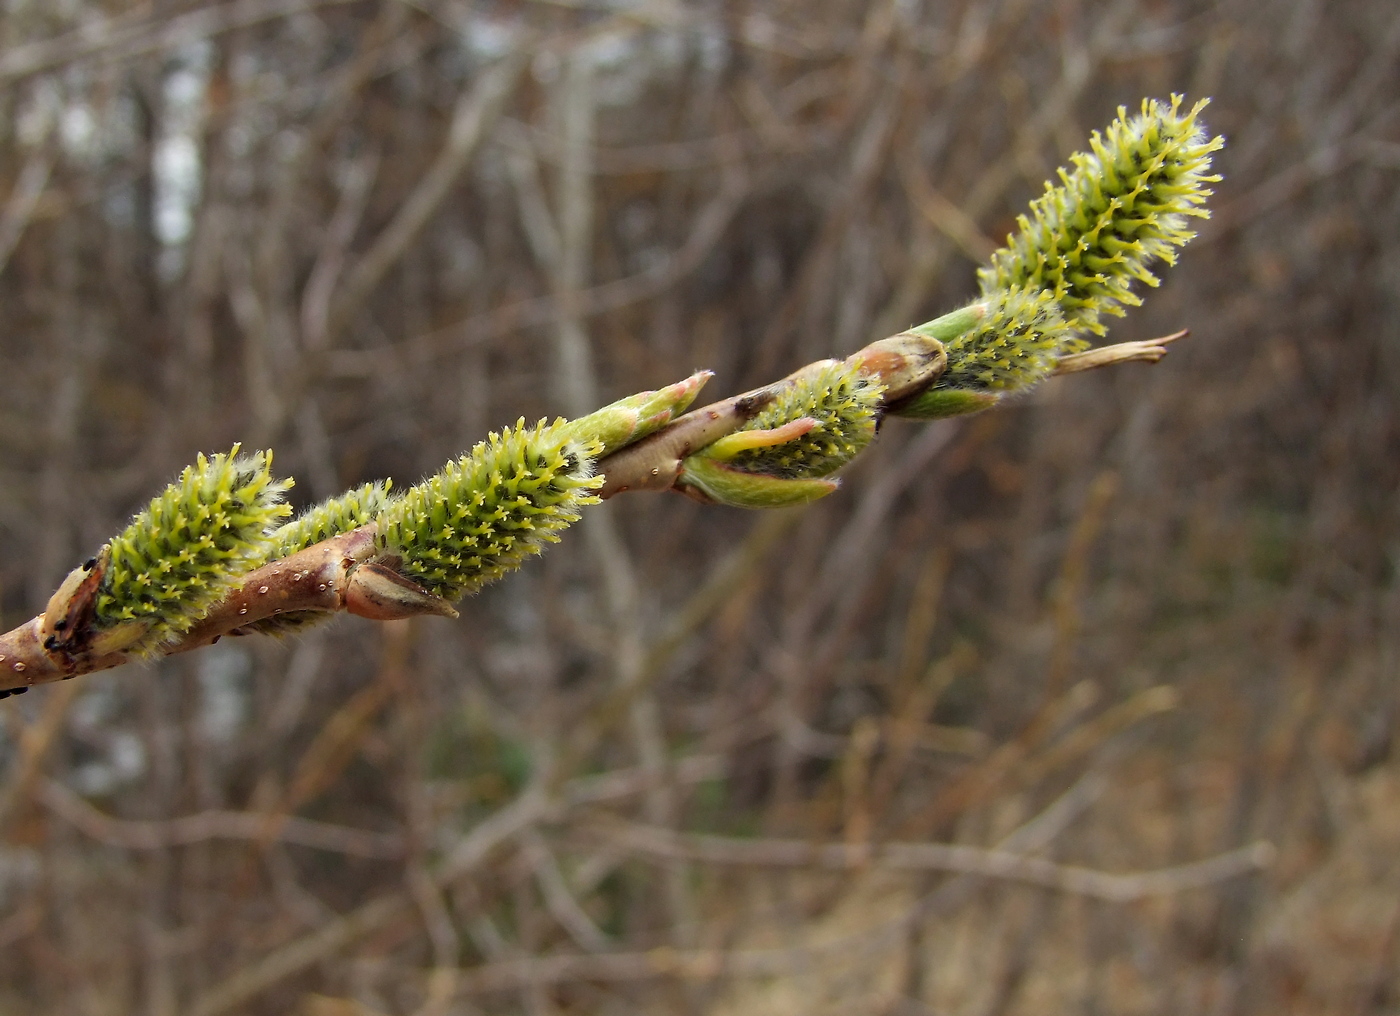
column 708, row 964
column 19, row 210
column 137, row 33
column 35, row 742
column 476, row 113
column 213, row 825
column 505, row 825
column 958, row 858
column 340, row 736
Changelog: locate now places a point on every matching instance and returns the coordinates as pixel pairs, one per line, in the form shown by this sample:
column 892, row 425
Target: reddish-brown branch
column 317, row 578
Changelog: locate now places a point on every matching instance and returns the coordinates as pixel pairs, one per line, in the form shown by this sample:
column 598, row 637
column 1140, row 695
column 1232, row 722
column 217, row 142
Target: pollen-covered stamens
column 339, row 515
column 1126, row 203
column 187, row 550
column 842, row 402
column 1015, row 344
column 486, row 512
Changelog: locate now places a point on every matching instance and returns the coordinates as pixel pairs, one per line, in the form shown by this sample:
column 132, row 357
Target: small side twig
column 19, row 210
column 476, row 113
column 204, row 826
column 958, row 858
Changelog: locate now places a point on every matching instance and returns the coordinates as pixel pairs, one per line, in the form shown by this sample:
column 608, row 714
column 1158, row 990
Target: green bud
column 629, row 420
column 187, row 550
column 484, row 513
column 952, row 324
column 938, row 403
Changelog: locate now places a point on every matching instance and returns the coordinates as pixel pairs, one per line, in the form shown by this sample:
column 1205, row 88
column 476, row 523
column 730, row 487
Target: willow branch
column 212, row 557
column 347, row 573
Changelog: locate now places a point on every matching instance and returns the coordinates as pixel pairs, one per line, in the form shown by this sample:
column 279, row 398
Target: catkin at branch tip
column 183, row 553
column 1125, row 204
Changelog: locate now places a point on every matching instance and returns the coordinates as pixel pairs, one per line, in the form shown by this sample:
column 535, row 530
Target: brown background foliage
column 1164, row 597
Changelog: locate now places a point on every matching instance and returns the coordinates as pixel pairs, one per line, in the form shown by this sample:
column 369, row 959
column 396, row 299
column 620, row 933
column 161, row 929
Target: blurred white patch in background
column 110, row 757
column 176, row 163
column 223, row 677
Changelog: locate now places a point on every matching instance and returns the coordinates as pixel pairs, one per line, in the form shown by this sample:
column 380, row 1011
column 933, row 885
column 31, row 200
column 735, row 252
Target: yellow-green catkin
column 338, row 515
column 1014, row 345
column 187, row 550
column 843, row 402
column 486, row 512
column 1123, row 205
column 1127, row 202
column 835, row 408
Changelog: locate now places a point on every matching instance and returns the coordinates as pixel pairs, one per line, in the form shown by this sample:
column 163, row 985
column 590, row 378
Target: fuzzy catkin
column 486, row 512
column 845, row 405
column 338, row 515
column 1122, row 206
column 185, row 552
column 1126, row 203
column 333, row 517
column 1013, row 346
